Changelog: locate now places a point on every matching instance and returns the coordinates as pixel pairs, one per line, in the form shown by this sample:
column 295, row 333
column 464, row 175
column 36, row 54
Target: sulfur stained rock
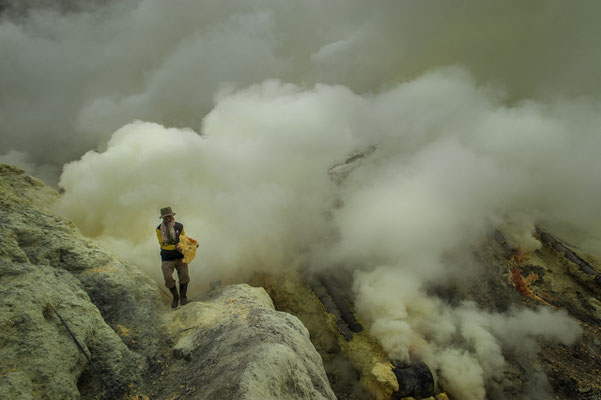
column 109, row 305
column 34, row 236
column 383, row 373
column 187, row 246
column 38, row 356
column 234, row 345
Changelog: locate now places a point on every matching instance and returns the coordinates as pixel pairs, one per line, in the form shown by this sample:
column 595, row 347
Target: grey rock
column 236, row 346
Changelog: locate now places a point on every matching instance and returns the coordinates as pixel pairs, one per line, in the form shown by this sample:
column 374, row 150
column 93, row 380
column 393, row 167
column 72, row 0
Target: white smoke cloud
column 71, row 73
column 464, row 345
column 254, row 188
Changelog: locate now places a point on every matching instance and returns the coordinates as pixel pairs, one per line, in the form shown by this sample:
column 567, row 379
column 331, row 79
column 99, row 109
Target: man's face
column 168, row 219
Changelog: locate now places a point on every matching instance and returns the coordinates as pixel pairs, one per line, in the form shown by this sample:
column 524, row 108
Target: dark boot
column 183, row 289
column 173, row 291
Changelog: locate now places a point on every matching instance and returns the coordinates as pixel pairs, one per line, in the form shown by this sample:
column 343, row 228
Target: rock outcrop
column 39, row 358
column 234, row 345
column 46, row 263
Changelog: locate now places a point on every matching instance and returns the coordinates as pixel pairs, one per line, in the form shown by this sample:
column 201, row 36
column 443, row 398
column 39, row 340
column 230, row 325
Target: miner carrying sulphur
column 177, row 250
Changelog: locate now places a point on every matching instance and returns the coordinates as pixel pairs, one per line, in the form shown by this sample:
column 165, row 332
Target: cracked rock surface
column 234, row 345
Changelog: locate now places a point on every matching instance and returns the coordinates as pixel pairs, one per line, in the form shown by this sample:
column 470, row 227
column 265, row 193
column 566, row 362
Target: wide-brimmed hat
column 166, row 211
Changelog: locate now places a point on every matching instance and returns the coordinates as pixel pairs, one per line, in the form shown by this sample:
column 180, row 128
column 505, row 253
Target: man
column 168, row 234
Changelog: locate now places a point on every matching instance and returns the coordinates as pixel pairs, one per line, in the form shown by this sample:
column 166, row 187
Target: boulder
column 234, row 345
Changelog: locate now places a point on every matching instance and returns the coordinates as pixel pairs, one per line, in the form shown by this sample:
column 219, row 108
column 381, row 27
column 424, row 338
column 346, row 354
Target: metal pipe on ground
column 416, row 380
column 324, row 298
column 339, row 299
column 569, row 254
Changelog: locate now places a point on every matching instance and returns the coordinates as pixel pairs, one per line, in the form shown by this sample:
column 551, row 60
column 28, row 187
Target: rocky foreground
column 231, row 345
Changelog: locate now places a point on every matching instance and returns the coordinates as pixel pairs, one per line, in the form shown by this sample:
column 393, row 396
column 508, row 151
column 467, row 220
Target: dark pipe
column 569, row 254
column 415, row 380
column 342, row 304
column 322, row 295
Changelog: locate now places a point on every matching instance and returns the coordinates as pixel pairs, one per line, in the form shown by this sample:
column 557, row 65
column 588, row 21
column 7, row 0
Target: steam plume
column 240, row 110
column 255, row 191
column 74, row 72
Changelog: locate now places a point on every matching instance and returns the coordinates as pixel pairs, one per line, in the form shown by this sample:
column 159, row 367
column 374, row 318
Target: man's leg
column 168, row 267
column 183, row 273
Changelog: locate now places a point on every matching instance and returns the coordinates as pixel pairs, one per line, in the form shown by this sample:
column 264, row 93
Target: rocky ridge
column 233, row 343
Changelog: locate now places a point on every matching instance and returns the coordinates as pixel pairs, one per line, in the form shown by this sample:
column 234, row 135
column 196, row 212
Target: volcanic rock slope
column 46, row 266
column 232, row 345
column 559, row 277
